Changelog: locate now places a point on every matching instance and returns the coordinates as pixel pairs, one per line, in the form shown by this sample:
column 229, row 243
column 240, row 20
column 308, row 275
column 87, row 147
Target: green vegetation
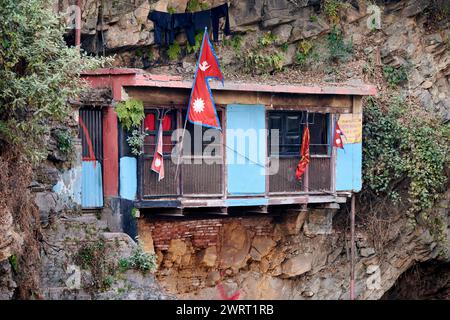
column 14, row 263
column 406, row 154
column 234, row 42
column 38, row 74
column 257, row 62
column 284, row 47
column 395, row 76
column 369, row 67
column 196, row 5
column 198, row 44
column 174, row 51
column 139, row 260
column 130, row 113
column 171, row 9
column 339, row 50
column 135, row 213
column 136, row 142
column 64, row 140
column 91, row 256
column 267, row 39
column 331, row 9
column 304, row 51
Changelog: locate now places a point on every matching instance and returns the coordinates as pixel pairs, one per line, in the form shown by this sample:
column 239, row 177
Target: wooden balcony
column 202, row 185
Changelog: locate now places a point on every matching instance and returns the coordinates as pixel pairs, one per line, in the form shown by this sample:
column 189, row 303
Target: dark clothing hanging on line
column 217, row 13
column 184, row 21
column 202, row 20
column 163, row 27
column 166, row 24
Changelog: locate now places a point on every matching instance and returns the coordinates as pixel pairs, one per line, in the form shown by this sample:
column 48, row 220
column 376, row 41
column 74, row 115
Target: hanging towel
column 217, row 13
column 163, row 27
column 184, row 21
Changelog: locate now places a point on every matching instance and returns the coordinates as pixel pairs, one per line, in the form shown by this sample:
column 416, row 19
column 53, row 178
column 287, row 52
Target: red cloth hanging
column 158, row 160
column 167, row 123
column 149, row 122
column 304, row 152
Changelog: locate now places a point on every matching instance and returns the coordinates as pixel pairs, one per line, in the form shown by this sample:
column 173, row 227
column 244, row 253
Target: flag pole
column 187, row 110
column 181, row 148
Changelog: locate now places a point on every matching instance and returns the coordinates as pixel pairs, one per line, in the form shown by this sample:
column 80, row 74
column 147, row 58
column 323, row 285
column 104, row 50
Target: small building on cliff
column 248, row 171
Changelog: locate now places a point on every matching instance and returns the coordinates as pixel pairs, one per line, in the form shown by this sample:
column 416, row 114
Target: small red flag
column 201, row 108
column 337, row 140
column 304, row 152
column 158, row 161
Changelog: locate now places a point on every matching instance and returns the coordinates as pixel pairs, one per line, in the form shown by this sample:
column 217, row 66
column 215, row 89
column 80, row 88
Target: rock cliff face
column 299, row 255
column 409, row 33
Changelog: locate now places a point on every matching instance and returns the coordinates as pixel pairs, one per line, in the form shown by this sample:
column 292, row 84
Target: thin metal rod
column 352, row 249
column 180, row 154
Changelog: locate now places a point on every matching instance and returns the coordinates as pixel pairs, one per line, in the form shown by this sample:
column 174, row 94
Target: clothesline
column 167, row 23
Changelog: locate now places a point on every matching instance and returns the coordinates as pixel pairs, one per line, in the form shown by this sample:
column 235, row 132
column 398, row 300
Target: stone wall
column 202, row 233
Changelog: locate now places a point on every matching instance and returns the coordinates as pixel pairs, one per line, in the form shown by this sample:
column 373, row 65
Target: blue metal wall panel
column 92, row 187
column 128, row 178
column 348, row 168
column 246, row 156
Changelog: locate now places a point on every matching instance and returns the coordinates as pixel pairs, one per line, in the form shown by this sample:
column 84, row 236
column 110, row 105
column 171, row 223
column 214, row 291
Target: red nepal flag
column 201, row 109
column 337, row 140
column 304, row 152
column 158, row 161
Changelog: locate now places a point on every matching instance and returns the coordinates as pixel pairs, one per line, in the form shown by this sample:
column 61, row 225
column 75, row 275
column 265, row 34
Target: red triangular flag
column 337, row 139
column 158, row 160
column 201, row 108
column 304, row 152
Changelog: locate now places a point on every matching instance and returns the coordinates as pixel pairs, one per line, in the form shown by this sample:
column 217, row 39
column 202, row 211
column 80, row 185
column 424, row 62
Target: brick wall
column 201, row 232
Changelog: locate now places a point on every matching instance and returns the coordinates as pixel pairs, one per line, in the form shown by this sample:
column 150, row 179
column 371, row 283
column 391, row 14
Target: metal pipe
column 78, row 25
column 352, row 249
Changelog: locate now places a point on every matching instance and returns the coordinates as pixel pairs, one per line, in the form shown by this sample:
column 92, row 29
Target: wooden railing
column 202, row 179
column 205, row 179
column 319, row 176
column 196, row 179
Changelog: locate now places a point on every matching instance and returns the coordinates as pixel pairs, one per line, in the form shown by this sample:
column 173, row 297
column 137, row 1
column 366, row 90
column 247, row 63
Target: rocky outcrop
column 411, row 33
column 423, row 281
column 305, row 264
column 79, row 252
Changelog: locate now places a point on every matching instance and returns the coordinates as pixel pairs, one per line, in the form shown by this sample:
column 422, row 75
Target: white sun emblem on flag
column 157, row 163
column 199, row 105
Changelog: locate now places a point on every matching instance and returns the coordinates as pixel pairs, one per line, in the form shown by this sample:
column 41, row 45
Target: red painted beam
column 110, row 153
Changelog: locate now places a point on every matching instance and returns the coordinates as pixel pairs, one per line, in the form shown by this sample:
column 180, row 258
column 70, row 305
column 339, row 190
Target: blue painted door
column 246, row 149
column 92, row 150
column 91, row 185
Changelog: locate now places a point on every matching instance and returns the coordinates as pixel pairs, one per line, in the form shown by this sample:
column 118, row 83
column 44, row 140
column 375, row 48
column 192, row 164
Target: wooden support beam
column 258, row 210
column 273, row 101
column 157, row 203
